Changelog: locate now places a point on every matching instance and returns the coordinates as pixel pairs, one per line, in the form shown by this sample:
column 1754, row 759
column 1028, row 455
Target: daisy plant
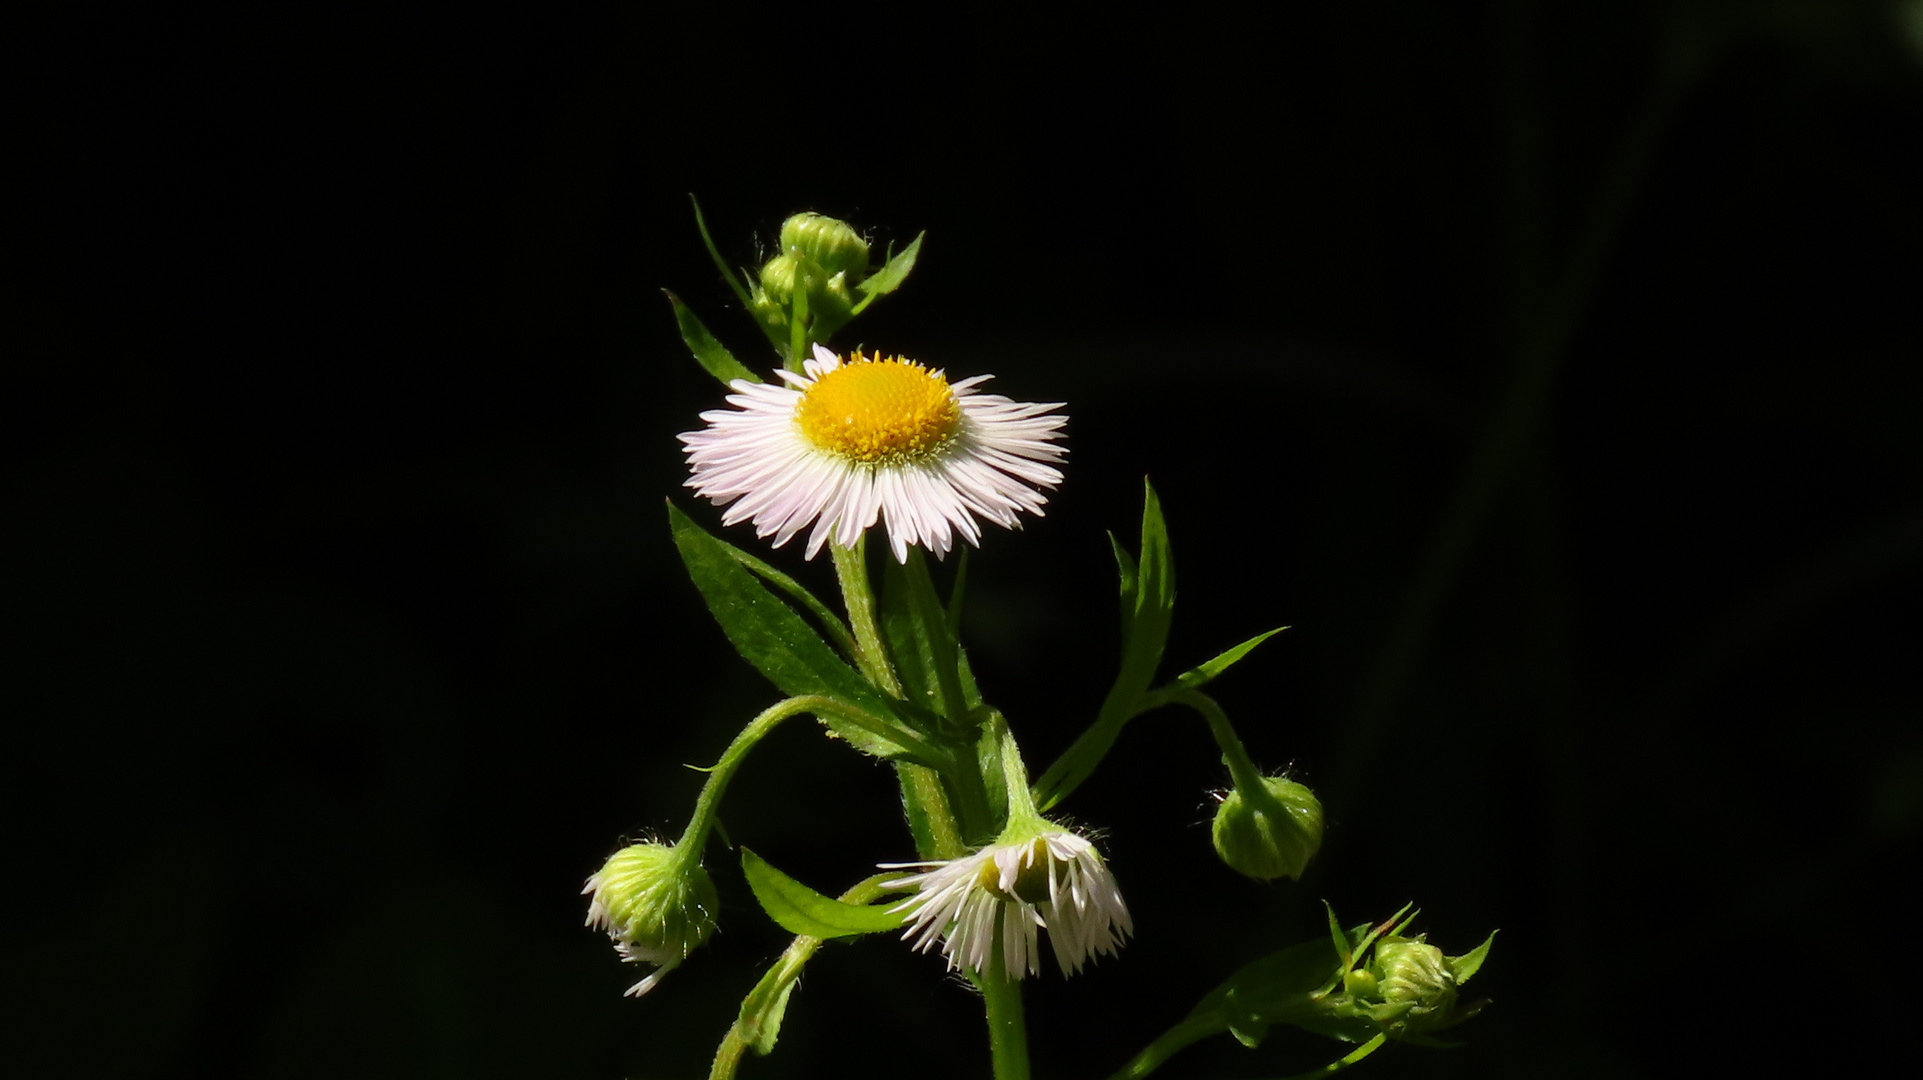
column 842, row 444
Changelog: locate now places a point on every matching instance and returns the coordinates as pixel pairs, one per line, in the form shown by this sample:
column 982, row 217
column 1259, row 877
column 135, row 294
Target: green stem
column 931, row 816
column 727, row 1057
column 1192, row 1030
column 1007, row 1029
column 763, row 1004
column 1345, row 1060
column 696, row 834
column 851, row 566
column 1247, row 778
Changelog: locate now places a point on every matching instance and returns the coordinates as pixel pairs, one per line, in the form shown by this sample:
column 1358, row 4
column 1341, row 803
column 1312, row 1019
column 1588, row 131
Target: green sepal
column 713, row 356
column 771, row 636
column 1464, row 967
column 891, row 273
column 801, row 910
column 1145, row 630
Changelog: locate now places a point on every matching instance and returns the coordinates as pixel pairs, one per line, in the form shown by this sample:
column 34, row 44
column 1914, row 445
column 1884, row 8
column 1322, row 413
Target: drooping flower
column 655, row 906
column 845, row 444
column 1055, row 881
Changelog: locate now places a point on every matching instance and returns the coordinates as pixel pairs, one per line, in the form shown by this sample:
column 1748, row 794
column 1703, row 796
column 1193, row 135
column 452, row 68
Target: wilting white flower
column 847, row 443
column 656, row 908
column 1056, row 881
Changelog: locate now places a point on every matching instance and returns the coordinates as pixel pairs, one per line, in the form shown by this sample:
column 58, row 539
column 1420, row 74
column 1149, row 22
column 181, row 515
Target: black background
column 344, row 636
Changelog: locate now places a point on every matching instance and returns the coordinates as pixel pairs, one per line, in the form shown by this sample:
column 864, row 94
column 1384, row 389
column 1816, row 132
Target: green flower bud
column 830, row 244
column 778, row 278
column 655, row 906
column 830, row 303
column 1271, row 833
column 1415, row 985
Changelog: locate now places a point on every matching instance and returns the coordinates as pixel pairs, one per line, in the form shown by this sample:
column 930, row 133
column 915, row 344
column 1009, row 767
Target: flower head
column 1269, row 833
column 845, row 444
column 1055, row 881
column 657, row 908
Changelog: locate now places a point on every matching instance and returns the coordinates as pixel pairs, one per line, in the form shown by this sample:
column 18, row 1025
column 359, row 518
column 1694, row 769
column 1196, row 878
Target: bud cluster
column 1409, row 988
column 821, row 258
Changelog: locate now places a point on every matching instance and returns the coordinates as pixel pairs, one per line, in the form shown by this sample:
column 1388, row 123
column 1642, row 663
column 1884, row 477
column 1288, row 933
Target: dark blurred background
column 1551, row 369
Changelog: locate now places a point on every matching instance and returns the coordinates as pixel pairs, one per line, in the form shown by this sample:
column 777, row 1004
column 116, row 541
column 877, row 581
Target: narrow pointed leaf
column 774, row 638
column 721, row 264
column 829, row 621
column 1146, row 630
column 801, row 910
column 1206, row 672
column 770, row 1022
column 892, row 273
column 1466, row 965
column 713, row 356
column 1339, row 939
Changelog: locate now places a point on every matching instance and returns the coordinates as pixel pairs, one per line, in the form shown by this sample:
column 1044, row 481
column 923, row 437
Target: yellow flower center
column 1031, row 881
column 880, row 411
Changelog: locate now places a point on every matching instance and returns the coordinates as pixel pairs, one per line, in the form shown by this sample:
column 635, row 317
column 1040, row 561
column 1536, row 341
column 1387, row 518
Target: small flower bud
column 1415, row 974
column 830, row 244
column 655, row 907
column 1273, row 840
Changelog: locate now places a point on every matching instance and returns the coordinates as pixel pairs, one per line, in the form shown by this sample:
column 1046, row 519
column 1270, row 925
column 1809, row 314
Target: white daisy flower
column 847, row 443
column 1056, row 881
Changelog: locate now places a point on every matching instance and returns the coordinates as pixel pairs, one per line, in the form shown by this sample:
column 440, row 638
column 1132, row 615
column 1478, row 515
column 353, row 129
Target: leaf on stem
column 713, row 356
column 891, row 274
column 771, row 636
column 1466, row 965
column 1204, row 673
column 1148, row 597
column 801, row 910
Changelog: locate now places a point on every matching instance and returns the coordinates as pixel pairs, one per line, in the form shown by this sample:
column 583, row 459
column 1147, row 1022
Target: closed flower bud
column 831, row 303
column 1271, row 833
column 1417, row 973
column 830, row 244
column 655, row 906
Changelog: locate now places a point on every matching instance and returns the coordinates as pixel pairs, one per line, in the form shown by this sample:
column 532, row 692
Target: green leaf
column 714, row 253
column 829, row 621
column 1145, row 633
column 1339, row 939
column 1125, row 565
column 1204, row 673
column 713, row 356
column 764, row 1040
column 1466, row 965
column 892, row 273
column 773, row 637
column 1282, row 987
column 801, row 910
